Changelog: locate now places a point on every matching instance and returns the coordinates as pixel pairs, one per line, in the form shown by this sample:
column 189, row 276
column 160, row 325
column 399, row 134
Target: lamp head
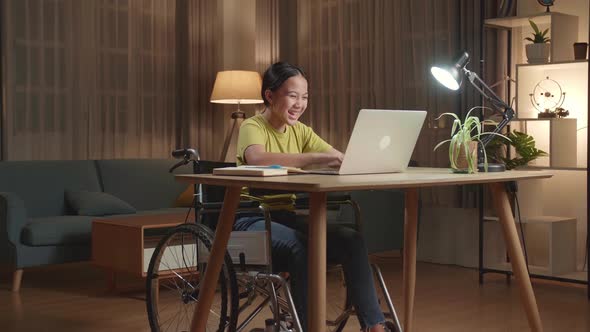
column 451, row 77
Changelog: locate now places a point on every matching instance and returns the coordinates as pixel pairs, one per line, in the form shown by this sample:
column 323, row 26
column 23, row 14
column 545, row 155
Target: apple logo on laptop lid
column 384, row 142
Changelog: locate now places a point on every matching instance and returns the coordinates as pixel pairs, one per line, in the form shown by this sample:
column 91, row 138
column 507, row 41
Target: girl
column 277, row 137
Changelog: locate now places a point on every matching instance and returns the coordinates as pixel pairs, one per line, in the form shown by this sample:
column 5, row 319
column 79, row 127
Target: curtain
column 132, row 102
column 267, row 34
column 199, row 123
column 107, row 78
column 378, row 54
column 40, row 104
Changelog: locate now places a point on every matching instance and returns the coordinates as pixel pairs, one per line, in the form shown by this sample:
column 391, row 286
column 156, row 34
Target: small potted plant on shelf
column 465, row 137
column 561, row 112
column 524, row 145
column 538, row 51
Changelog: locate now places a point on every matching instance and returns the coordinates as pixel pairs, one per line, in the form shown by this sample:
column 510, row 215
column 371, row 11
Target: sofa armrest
column 13, row 217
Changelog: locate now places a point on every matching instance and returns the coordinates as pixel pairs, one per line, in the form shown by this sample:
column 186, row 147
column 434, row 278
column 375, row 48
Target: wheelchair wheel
column 173, row 280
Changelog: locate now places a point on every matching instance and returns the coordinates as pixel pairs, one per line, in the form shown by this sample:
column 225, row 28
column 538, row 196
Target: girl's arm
column 256, row 155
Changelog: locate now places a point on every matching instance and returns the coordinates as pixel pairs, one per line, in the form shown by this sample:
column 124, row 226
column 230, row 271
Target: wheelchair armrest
column 333, row 200
column 216, row 206
column 208, row 213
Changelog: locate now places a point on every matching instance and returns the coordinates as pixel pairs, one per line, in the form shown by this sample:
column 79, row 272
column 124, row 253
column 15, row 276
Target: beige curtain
column 133, row 101
column 199, row 121
column 43, row 118
column 267, row 34
column 378, row 54
column 105, row 79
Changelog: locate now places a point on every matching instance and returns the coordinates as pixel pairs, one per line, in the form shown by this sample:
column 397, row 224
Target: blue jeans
column 345, row 246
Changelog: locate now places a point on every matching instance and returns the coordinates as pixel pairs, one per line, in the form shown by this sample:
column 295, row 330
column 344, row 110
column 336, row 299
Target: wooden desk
column 319, row 185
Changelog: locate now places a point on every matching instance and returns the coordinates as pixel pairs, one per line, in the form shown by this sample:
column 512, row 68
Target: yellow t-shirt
column 296, row 139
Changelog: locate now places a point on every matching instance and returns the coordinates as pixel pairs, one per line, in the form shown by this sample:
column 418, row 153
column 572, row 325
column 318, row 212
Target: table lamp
column 451, row 77
column 235, row 87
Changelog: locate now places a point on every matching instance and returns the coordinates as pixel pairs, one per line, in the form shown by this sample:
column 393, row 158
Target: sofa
column 47, row 207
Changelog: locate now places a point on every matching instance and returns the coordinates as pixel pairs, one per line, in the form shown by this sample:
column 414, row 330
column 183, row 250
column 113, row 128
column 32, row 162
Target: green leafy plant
column 538, row 36
column 462, row 133
column 523, row 144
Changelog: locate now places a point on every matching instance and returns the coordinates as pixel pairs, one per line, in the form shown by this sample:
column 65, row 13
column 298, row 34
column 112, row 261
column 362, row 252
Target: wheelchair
column 246, row 284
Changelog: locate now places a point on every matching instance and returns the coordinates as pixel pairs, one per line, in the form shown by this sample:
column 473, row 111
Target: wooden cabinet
column 125, row 243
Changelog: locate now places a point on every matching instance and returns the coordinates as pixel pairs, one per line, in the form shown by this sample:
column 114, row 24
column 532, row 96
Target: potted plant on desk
column 465, row 137
column 523, row 144
column 538, row 51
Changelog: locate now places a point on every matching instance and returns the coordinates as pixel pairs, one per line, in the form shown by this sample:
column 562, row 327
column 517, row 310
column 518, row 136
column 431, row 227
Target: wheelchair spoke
column 175, row 288
column 174, row 276
column 169, row 321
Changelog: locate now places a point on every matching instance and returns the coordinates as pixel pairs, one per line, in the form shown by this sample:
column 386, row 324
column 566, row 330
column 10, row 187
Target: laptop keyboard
column 332, row 171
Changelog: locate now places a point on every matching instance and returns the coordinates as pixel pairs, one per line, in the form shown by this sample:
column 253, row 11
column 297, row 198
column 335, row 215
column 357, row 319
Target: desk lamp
column 451, row 77
column 235, row 87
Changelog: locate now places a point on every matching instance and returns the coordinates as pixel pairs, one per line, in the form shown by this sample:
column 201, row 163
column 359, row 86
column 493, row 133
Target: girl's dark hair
column 276, row 75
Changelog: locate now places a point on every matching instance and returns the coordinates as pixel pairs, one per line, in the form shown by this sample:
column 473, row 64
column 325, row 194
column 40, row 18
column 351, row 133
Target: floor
column 73, row 297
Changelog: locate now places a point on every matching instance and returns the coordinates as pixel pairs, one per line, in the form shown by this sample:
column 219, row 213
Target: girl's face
column 289, row 101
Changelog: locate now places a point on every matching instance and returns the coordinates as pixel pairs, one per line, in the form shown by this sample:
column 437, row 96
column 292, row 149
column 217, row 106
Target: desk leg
column 502, row 206
column 409, row 274
column 222, row 233
column 316, row 302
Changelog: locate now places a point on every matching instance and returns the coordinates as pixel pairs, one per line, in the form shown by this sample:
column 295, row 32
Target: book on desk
column 251, row 170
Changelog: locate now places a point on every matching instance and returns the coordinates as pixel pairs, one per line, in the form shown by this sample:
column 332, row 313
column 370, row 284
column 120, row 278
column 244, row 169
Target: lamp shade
column 451, row 77
column 237, row 87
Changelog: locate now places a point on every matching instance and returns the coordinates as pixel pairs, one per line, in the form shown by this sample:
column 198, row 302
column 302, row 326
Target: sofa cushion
column 41, row 184
column 143, row 183
column 60, row 230
column 93, row 203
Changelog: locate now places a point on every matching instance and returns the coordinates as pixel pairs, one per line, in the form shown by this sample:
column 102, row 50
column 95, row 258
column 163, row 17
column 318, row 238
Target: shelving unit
column 563, row 26
column 551, row 240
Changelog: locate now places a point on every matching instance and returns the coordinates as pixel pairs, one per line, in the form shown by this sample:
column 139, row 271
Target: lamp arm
column 493, row 98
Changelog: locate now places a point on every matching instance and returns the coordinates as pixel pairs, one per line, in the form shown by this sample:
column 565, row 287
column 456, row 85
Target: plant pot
column 537, row 53
column 580, row 50
column 462, row 160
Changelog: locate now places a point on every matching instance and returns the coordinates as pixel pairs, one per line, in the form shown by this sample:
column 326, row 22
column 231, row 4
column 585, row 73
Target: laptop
column 382, row 141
